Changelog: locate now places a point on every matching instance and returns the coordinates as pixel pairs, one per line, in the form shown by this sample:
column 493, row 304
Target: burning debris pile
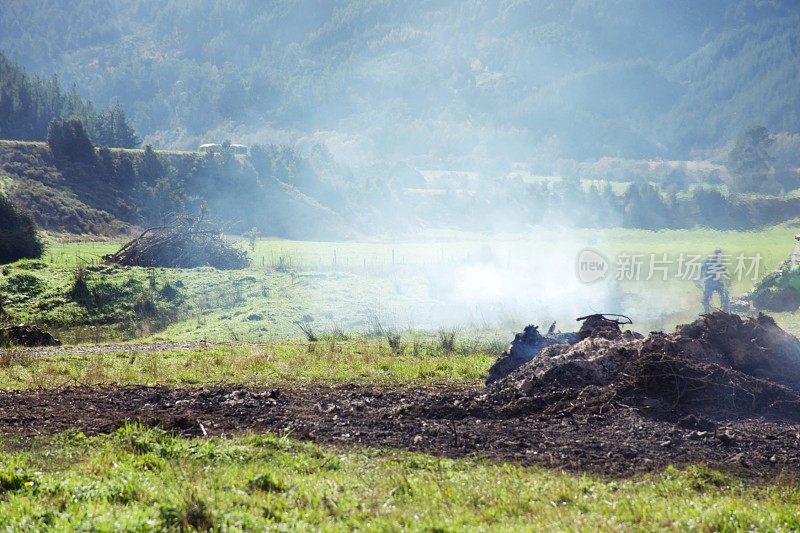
column 525, row 347
column 530, row 342
column 186, row 243
column 719, row 366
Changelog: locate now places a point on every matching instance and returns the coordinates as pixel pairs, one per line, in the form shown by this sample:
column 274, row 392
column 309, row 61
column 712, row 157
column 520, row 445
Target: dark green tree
column 112, row 129
column 68, row 140
column 149, row 167
column 749, row 163
column 28, row 105
column 125, row 171
column 645, row 207
column 18, row 236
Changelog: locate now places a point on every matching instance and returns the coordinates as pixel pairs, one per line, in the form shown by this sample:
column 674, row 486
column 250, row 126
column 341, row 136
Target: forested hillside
column 471, row 83
column 28, row 106
column 278, row 192
column 341, row 104
column 112, row 190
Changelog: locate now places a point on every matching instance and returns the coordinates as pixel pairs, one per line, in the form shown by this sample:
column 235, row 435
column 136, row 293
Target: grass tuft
column 447, row 340
column 266, row 482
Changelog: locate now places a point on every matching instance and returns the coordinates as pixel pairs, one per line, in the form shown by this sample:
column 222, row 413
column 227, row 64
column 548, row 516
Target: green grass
column 140, row 479
column 144, row 479
column 369, row 362
column 43, row 144
column 774, row 244
column 348, row 286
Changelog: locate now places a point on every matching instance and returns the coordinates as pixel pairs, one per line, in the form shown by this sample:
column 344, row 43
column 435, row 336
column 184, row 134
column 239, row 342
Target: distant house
column 215, row 148
column 210, row 148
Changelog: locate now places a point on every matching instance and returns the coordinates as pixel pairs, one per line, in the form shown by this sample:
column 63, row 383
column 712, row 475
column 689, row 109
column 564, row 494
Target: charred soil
column 615, row 441
column 721, row 391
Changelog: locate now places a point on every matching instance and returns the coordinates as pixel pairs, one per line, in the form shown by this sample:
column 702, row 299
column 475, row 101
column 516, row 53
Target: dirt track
column 89, row 349
column 617, row 442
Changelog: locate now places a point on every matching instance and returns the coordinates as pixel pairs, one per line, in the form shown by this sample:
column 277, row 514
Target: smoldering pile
column 185, row 243
column 720, row 366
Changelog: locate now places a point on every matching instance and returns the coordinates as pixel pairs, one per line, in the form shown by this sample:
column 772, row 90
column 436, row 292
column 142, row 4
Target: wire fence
column 351, row 257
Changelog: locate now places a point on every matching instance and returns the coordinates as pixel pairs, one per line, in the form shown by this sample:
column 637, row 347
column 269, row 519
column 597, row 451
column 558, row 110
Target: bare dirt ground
column 91, row 349
column 722, row 391
column 617, row 440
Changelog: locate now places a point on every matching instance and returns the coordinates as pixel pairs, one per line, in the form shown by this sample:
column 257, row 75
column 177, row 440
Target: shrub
column 18, row 236
column 80, row 288
column 25, row 283
column 14, row 477
column 68, row 139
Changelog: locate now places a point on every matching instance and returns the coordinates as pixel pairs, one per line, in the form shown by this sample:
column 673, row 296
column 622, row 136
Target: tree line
column 29, row 105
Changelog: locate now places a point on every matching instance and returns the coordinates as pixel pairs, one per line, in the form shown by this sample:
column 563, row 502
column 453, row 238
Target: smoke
column 504, row 285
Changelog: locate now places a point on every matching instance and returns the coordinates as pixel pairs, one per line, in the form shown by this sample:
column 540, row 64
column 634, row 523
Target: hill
column 119, row 189
column 469, row 84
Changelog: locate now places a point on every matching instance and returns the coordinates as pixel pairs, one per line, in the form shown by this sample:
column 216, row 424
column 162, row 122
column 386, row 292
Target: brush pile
column 530, row 342
column 719, row 366
column 186, row 243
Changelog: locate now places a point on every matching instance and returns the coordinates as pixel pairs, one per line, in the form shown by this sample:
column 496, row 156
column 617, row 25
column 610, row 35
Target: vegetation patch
column 779, row 290
column 18, row 236
column 70, row 481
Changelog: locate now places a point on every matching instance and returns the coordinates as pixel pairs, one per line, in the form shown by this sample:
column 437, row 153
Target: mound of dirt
column 26, row 335
column 528, row 344
column 720, row 366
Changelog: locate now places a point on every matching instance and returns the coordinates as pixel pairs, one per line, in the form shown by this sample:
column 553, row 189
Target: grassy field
column 351, row 297
column 327, row 362
column 144, row 479
column 774, row 244
column 141, row 479
column 481, row 287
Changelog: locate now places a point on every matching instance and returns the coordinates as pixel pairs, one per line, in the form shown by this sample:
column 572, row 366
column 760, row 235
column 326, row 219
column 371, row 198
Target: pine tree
column 149, row 167
column 28, row 105
column 112, row 129
column 749, row 163
column 68, row 140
